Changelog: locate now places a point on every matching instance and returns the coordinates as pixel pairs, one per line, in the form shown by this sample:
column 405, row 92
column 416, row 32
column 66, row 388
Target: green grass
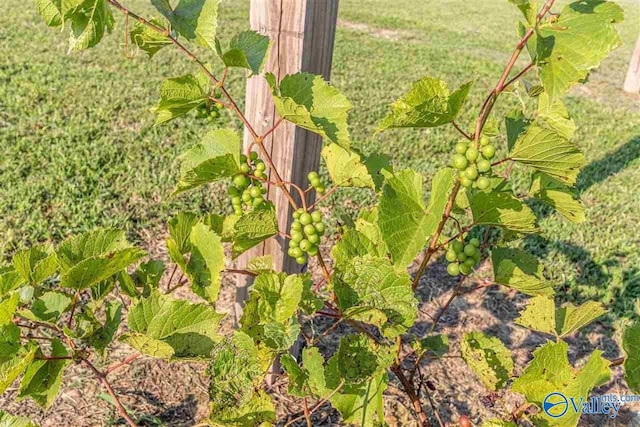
column 78, row 149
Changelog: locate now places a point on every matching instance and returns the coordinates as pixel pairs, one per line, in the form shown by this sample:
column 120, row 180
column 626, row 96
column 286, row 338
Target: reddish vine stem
column 463, row 133
column 53, row 358
column 317, row 405
column 236, row 271
column 73, row 307
column 121, row 409
column 307, row 414
column 410, row 390
column 119, row 365
column 324, row 197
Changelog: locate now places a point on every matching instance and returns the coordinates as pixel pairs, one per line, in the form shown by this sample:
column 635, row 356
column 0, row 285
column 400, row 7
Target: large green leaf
column 103, row 335
column 559, row 196
column 353, row 244
column 550, row 371
column 180, row 227
column 9, row 341
column 12, row 367
column 42, row 379
column 502, row 209
column 8, row 308
column 47, row 308
column 34, row 264
column 206, row 263
column 488, row 358
column 254, row 227
column 180, row 95
column 568, row 47
column 529, row 9
column 8, row 420
column 248, row 49
column 542, row 315
column 308, row 101
column 308, row 379
column 519, row 270
column 217, row 156
column 555, row 115
column 89, row 22
column 9, row 281
column 429, row 103
column 147, row 39
column 195, row 20
column 372, row 291
column 346, row 168
column 548, row 151
column 93, row 270
column 91, row 244
column 190, row 330
column 631, row 346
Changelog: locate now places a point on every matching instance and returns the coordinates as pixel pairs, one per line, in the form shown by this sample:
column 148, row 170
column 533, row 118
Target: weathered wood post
column 302, row 33
column 632, row 82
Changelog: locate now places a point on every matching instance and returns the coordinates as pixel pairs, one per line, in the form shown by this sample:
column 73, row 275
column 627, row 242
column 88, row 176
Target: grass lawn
column 78, row 149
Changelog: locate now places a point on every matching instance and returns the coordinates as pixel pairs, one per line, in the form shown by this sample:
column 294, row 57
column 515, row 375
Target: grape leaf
column 488, row 358
column 311, row 103
column 529, row 9
column 34, row 264
column 542, row 315
column 8, row 308
column 47, row 308
column 436, row 345
column 93, row 270
column 561, row 197
column 147, row 39
column 631, row 346
column 89, row 22
column 9, row 281
column 103, row 335
column 495, row 422
column 254, row 227
column 12, row 367
column 42, row 379
column 369, row 287
column 353, row 244
column 519, row 270
column 428, row 104
column 248, row 49
column 189, row 329
column 180, row 95
column 550, row 371
column 195, row 20
column 501, row 209
column 568, row 47
column 346, row 168
column 8, row 420
column 217, row 156
column 180, row 227
column 516, row 123
column 206, row 263
column 548, row 151
column 260, row 264
column 9, row 341
column 555, row 115
column 308, row 378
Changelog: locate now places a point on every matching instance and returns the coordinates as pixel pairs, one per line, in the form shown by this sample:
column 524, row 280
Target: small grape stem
column 236, row 271
column 410, row 390
column 103, row 379
column 325, row 196
column 53, row 358
column 323, row 266
column 307, row 413
column 119, row 365
column 273, row 128
column 317, row 405
column 76, row 296
column 463, row 133
column 501, row 161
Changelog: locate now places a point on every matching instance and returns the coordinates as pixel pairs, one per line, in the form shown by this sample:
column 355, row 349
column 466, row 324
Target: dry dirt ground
column 176, row 394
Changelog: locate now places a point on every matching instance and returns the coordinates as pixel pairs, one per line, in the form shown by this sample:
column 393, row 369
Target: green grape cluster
column 462, row 257
column 306, row 230
column 246, row 190
column 210, row 110
column 316, row 183
column 474, row 164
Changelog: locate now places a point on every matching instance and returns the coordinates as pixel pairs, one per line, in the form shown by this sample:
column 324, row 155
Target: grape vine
column 67, row 305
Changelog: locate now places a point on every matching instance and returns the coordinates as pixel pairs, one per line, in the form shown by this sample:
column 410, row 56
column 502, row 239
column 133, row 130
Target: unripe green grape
column 291, row 252
column 457, row 246
column 236, row 200
column 484, row 165
column 453, row 269
column 219, row 105
column 470, row 250
column 246, row 196
column 245, row 168
column 483, row 183
column 301, row 259
column 451, row 255
column 465, row 269
column 296, row 236
column 309, row 230
column 475, row 242
column 470, row 262
column 313, row 175
column 258, row 173
column 462, row 256
column 488, row 151
column 296, row 226
column 233, row 191
column 471, row 154
column 305, row 245
column 313, row 238
column 484, row 140
column 313, row 251
column 263, row 190
column 240, row 181
column 315, row 182
column 243, row 159
column 320, row 189
column 471, row 172
column 319, row 228
column 253, row 156
column 465, row 182
column 260, row 166
column 461, row 147
column 297, row 252
column 477, row 256
column 316, row 217
column 258, row 201
column 256, row 192
column 296, row 214
column 305, row 218
column 214, row 114
column 293, row 244
column 237, row 211
column 217, row 93
column 459, row 162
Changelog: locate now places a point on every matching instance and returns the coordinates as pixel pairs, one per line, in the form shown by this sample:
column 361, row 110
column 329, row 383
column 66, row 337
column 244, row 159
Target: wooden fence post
column 632, row 82
column 302, row 33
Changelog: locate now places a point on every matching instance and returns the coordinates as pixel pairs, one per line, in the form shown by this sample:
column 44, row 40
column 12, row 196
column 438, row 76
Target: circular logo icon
column 555, row 404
